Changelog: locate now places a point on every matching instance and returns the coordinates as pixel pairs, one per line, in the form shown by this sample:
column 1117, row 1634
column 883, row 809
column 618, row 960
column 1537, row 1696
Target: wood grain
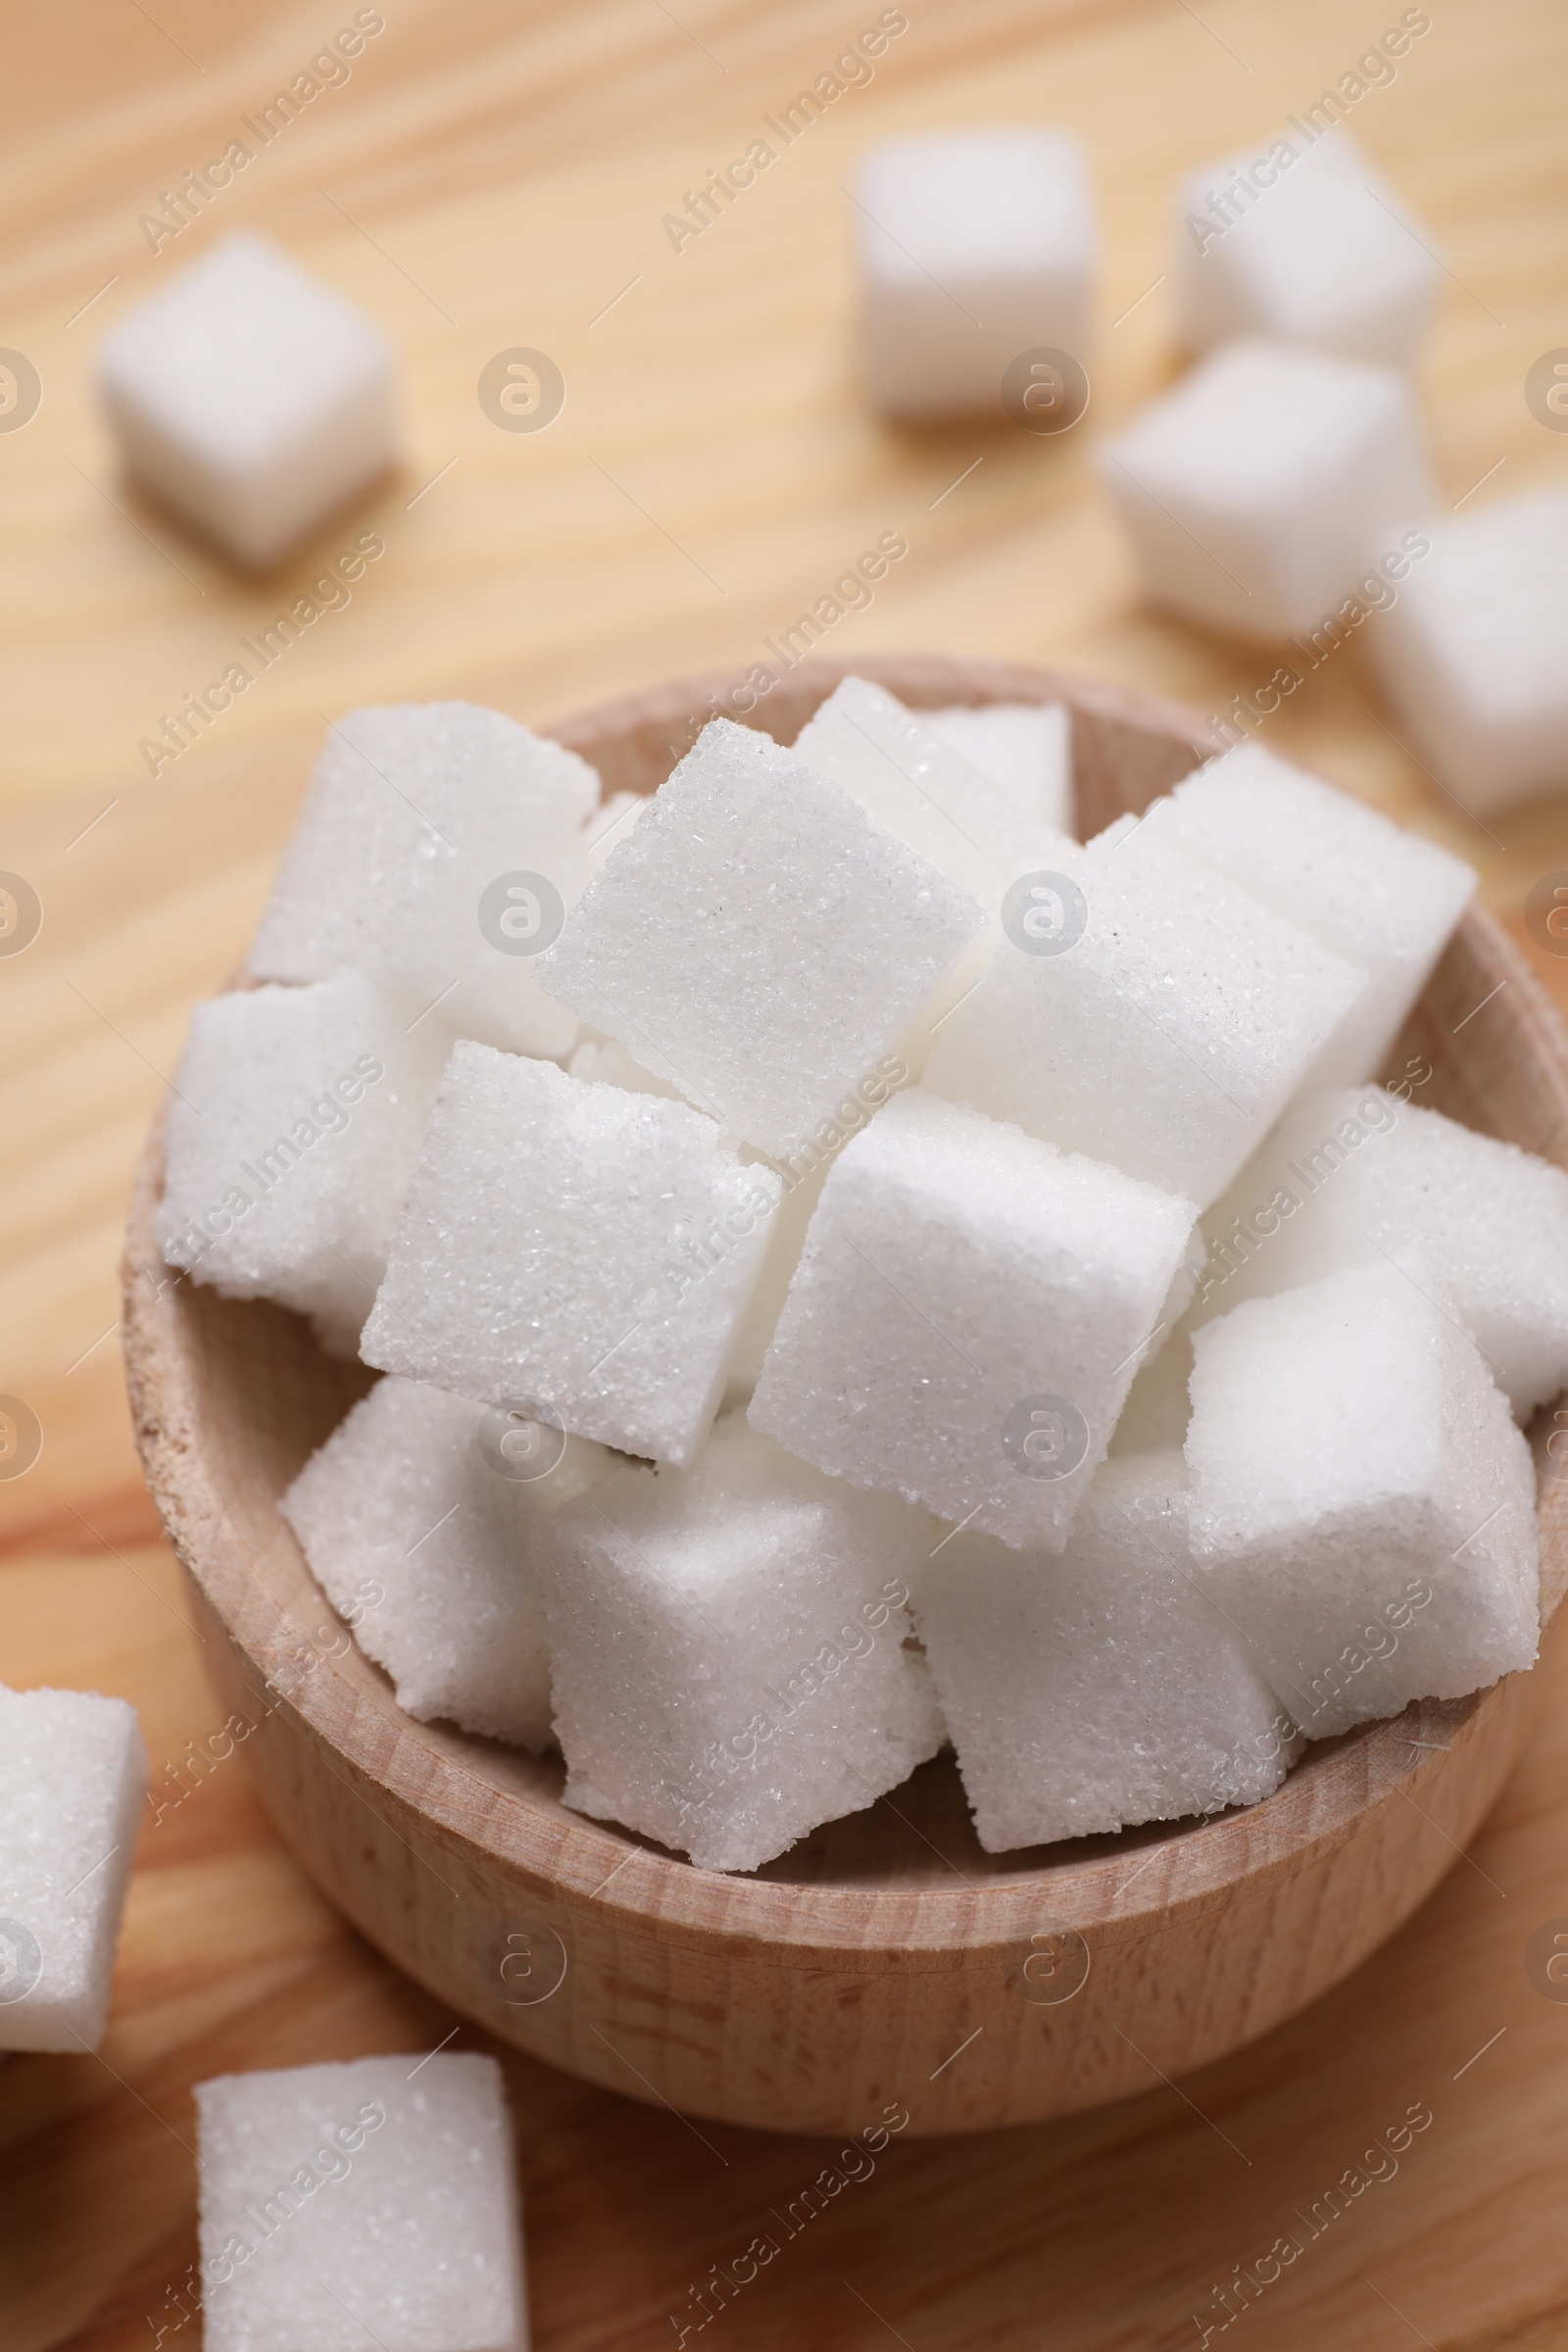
column 515, row 162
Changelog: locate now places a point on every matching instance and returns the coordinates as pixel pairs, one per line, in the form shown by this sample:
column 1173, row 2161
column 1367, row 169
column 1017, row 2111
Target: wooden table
column 495, row 176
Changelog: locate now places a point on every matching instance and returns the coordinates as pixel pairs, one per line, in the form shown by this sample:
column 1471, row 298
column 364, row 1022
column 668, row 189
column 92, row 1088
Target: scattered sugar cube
column 1381, row 897
column 1024, row 747
column 576, row 1247
column 982, row 833
column 294, row 1124
column 729, row 1650
column 73, row 1772
column 1362, row 1506
column 249, row 397
column 1102, row 1688
column 967, row 1316
column 759, row 941
column 1305, row 243
column 974, row 246
column 1263, row 485
column 1474, row 656
column 1160, row 1020
column 419, row 1519
column 1360, row 1178
column 438, row 850
column 369, row 2203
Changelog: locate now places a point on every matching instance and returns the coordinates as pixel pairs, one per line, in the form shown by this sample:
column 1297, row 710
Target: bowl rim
column 468, row 1788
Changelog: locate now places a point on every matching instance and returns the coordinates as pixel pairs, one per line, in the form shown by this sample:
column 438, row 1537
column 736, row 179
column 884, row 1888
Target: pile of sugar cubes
column 855, row 1269
column 1280, row 491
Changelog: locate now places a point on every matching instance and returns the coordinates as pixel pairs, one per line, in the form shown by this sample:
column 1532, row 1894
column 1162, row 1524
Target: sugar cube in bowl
column 792, row 1996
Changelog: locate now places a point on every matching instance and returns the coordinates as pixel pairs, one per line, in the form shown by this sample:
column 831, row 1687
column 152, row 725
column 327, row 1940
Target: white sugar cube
column 1024, row 747
column 1474, row 656
column 73, row 1772
column 374, row 2203
column 1384, row 898
column 438, row 850
column 576, row 1247
column 1362, row 1506
column 1154, row 1015
column 974, row 247
column 1358, row 1177
column 729, row 1650
column 759, row 941
column 294, row 1123
column 420, row 1518
column 1302, row 240
column 1102, row 1688
column 935, row 799
column 966, row 1318
column 1263, row 486
column 251, row 398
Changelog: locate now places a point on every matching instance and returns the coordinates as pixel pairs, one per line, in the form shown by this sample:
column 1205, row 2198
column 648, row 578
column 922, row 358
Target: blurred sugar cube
column 1141, row 1009
column 974, row 247
column 981, row 831
column 294, row 1122
column 1263, row 486
column 759, row 941
column 728, row 1655
column 1356, row 1178
column 374, row 2202
column 250, row 398
column 1474, row 655
column 73, row 1772
column 438, row 850
column 1362, row 1506
column 1302, row 241
column 576, row 1247
column 1025, row 747
column 966, row 1318
column 1381, row 897
column 1102, row 1688
column 420, row 1518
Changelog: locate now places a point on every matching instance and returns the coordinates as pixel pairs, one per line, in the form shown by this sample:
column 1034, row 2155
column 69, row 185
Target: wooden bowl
column 886, row 1958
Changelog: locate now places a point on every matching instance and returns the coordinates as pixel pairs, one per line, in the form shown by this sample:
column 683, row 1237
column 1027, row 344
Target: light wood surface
column 801, row 1997
column 493, row 176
